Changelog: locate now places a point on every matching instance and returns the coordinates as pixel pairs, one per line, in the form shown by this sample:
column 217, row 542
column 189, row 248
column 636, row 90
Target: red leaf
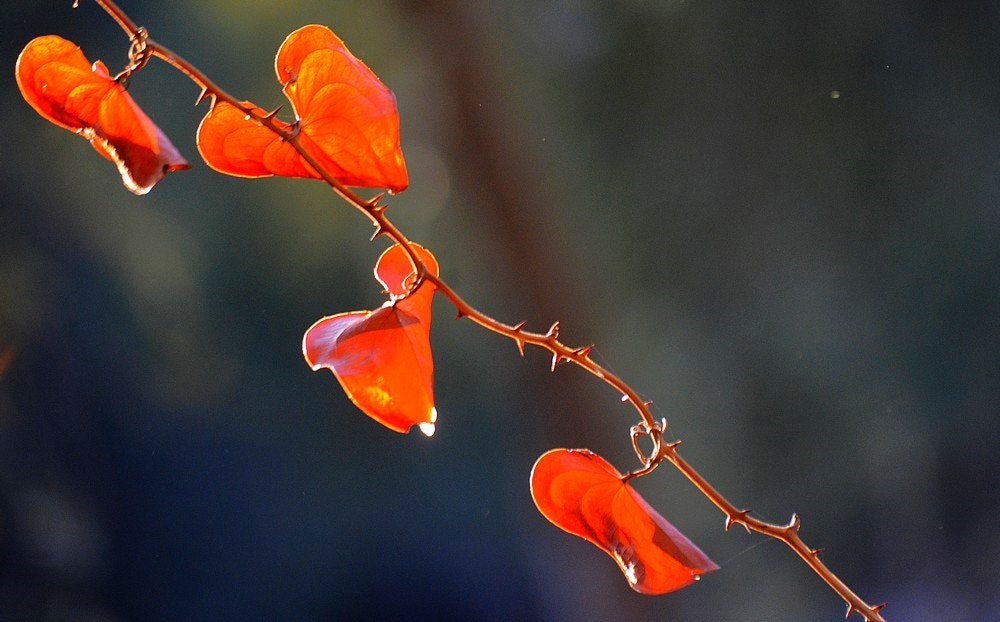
column 57, row 80
column 349, row 121
column 382, row 358
column 582, row 493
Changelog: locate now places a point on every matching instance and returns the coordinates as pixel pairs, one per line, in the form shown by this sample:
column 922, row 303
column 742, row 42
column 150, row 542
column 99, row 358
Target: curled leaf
column 348, row 120
column 382, row 358
column 580, row 492
column 57, row 80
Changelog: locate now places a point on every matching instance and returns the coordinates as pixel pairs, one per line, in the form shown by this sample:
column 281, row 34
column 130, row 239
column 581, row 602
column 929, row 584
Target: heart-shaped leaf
column 582, row 493
column 382, row 358
column 348, row 120
column 57, row 80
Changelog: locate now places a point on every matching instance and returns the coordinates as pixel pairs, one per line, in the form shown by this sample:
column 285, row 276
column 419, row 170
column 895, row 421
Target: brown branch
column 549, row 340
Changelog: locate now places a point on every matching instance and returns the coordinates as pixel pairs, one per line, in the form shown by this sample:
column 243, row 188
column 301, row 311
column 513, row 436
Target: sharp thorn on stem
column 459, row 314
column 583, row 352
column 850, row 610
column 739, row 517
column 272, row 114
column 202, row 95
column 516, row 329
column 379, row 230
column 372, row 203
column 816, row 552
column 879, row 607
column 553, row 331
column 794, row 523
column 556, row 360
column 672, row 444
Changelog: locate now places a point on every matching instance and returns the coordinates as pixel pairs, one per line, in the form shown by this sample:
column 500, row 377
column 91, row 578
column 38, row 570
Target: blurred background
column 778, row 221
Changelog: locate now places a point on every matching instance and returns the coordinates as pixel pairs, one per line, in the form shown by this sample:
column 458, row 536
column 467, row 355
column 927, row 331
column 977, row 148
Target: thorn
column 202, row 96
column 372, row 203
column 378, row 231
column 794, row 524
column 556, row 360
column 672, row 444
column 850, row 610
column 520, row 342
column 647, row 404
column 879, row 607
column 816, row 552
column 459, row 314
column 272, row 114
column 553, row 331
column 738, row 517
column 583, row 352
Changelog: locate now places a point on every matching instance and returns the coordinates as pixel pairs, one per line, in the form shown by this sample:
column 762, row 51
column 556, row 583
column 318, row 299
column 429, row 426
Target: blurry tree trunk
column 496, row 172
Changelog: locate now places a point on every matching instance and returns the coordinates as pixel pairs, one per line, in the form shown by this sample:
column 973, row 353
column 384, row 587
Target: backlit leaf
column 348, row 118
column 57, row 80
column 382, row 358
column 582, row 493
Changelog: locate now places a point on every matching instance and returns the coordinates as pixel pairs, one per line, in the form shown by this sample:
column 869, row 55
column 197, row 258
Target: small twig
column 549, row 340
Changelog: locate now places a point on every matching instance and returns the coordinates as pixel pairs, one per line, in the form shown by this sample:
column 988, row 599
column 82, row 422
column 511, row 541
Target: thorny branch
column 143, row 47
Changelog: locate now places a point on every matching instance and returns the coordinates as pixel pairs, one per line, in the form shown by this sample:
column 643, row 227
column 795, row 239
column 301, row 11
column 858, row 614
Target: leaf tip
column 427, row 427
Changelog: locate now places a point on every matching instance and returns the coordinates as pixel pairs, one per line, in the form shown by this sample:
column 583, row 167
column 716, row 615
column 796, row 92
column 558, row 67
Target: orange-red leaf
column 349, row 121
column 56, row 79
column 382, row 358
column 583, row 494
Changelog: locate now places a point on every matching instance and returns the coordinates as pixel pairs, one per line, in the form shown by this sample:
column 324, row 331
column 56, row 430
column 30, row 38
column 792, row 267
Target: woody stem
column 548, row 340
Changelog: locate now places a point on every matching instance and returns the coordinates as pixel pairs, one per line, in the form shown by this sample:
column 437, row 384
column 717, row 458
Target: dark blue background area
column 779, row 223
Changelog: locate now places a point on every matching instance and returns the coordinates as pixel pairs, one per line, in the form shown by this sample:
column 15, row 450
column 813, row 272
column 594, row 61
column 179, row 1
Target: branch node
column 293, row 130
column 739, row 517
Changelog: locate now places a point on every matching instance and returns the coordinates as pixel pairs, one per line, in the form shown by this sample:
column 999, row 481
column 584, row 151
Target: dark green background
column 806, row 285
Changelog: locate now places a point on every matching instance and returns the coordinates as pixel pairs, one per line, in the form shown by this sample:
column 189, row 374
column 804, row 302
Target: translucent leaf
column 382, row 358
column 57, row 80
column 349, row 121
column 580, row 492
